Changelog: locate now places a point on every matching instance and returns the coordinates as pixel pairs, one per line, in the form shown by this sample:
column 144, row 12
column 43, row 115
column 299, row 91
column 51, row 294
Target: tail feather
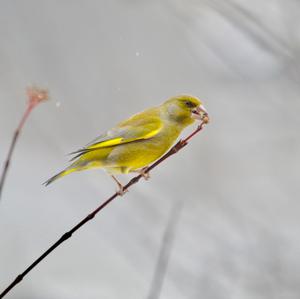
column 59, row 175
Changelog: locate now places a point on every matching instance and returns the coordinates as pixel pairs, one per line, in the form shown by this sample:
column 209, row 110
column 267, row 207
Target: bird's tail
column 59, row 175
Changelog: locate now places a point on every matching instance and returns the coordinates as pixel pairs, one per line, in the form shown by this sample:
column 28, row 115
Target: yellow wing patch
column 120, row 140
column 110, row 142
column 151, row 134
column 136, row 128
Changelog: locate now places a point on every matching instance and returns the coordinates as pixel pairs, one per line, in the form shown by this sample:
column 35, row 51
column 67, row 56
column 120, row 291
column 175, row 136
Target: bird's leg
column 121, row 190
column 143, row 173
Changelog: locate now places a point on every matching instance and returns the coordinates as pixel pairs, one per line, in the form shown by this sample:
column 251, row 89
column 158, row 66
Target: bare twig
column 35, row 96
column 177, row 147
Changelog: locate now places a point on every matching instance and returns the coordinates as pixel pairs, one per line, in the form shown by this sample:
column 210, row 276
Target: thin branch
column 177, row 147
column 35, row 96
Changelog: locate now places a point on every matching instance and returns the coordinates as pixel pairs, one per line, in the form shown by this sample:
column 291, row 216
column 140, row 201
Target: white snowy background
column 236, row 184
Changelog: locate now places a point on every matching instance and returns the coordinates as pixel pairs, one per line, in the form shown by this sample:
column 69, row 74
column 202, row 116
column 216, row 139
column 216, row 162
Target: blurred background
column 223, row 214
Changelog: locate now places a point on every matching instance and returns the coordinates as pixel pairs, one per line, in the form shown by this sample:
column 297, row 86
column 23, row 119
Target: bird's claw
column 121, row 190
column 183, row 142
column 145, row 174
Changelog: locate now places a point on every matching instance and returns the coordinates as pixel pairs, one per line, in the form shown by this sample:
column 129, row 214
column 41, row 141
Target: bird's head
column 184, row 109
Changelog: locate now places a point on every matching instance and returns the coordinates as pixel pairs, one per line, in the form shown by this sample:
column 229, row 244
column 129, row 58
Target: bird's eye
column 189, row 104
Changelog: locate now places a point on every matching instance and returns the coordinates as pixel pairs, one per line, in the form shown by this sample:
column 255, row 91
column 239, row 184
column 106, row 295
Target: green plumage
column 137, row 141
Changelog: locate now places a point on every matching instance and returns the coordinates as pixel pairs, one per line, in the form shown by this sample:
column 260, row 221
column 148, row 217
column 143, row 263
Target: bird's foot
column 144, row 173
column 122, row 189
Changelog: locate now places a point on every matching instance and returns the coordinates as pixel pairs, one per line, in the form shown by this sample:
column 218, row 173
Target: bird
column 138, row 141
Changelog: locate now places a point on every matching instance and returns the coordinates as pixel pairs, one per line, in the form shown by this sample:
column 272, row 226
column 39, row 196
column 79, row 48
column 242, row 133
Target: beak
column 199, row 112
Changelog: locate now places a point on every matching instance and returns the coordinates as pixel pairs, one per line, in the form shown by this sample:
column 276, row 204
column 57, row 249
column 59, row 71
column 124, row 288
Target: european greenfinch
column 138, row 141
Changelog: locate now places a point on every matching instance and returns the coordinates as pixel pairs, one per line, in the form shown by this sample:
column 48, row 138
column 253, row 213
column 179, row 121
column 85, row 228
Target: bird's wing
column 139, row 127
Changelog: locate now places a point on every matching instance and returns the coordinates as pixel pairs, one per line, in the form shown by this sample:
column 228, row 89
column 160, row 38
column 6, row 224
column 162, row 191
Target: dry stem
column 35, row 96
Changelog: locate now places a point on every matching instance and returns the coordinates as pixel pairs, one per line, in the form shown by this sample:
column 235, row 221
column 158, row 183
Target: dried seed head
column 36, row 95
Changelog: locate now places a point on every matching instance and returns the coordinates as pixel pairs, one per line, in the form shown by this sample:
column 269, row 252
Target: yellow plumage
column 138, row 141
